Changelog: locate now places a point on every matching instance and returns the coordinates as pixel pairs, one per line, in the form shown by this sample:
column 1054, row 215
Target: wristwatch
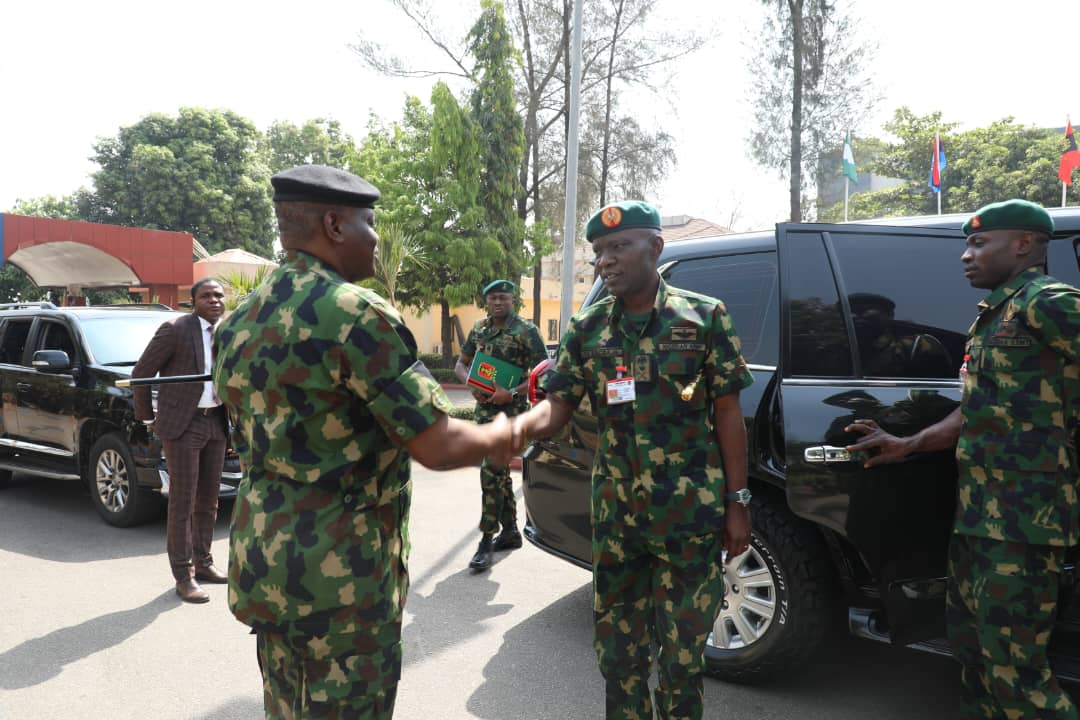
column 741, row 496
column 514, row 394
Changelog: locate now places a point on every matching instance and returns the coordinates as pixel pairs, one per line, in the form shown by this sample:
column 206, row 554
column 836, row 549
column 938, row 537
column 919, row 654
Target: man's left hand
column 501, row 396
column 736, row 529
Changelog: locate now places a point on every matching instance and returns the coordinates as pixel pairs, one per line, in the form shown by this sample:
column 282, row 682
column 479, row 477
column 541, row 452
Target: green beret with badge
column 325, row 185
column 502, row 286
column 625, row 215
column 1010, row 215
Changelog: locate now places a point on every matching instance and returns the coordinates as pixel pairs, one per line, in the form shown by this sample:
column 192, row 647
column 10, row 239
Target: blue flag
column 937, row 163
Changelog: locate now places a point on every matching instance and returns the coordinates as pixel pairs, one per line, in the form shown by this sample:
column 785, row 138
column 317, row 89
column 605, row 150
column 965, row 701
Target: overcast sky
column 75, row 71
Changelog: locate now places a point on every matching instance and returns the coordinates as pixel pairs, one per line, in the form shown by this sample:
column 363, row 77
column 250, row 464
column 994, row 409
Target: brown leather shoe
column 211, row 574
column 189, row 591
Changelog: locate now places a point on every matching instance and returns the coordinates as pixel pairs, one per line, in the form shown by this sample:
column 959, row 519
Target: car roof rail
column 125, row 306
column 38, row 304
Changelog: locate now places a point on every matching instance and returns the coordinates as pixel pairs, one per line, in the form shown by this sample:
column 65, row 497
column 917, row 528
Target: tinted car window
column 58, row 337
column 14, row 342
column 747, row 285
column 901, row 329
column 818, row 340
column 120, row 340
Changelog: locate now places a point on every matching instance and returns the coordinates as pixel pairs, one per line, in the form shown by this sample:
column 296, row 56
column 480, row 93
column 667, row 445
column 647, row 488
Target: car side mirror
column 51, row 361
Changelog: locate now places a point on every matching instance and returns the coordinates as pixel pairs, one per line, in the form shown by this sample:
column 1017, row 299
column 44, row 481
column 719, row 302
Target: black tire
column 789, row 572
column 110, row 476
column 5, row 478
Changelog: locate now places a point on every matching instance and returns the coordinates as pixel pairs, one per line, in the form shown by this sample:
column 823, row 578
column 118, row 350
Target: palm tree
column 239, row 285
column 398, row 252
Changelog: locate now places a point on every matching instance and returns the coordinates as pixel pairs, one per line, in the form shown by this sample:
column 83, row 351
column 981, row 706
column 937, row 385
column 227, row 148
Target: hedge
column 444, row 376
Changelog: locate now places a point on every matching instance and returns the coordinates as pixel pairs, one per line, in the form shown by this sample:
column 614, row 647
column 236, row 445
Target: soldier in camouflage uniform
column 1014, row 432
column 508, row 337
column 329, row 399
column 662, row 370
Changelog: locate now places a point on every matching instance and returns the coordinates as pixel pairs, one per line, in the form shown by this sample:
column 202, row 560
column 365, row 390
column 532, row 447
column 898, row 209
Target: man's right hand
column 890, row 448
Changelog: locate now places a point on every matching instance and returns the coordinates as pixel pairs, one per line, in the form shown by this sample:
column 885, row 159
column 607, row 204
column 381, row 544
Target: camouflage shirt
column 517, row 342
column 658, row 469
column 1021, row 407
column 323, row 382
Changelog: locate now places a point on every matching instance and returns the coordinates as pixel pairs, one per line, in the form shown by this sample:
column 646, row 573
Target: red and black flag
column 1070, row 159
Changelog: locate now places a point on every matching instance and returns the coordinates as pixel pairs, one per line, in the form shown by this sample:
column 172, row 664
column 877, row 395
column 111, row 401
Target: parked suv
column 63, row 416
column 837, row 322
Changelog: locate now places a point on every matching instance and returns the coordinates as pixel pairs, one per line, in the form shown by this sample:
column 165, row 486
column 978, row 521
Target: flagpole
column 847, row 184
column 939, row 201
column 1062, row 193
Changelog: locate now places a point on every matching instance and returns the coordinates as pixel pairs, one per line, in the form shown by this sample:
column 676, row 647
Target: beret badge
column 611, row 217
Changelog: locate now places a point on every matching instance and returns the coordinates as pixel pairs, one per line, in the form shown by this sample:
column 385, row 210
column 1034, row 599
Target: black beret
column 322, row 184
column 1010, row 215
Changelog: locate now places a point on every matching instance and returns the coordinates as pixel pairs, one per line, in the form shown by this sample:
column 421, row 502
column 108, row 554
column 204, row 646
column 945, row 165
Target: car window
column 14, row 341
column 57, row 337
column 747, row 286
column 818, row 341
column 906, row 328
column 120, row 340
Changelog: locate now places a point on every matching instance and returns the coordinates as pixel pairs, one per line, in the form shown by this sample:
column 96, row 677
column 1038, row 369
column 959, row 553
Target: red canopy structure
column 73, row 254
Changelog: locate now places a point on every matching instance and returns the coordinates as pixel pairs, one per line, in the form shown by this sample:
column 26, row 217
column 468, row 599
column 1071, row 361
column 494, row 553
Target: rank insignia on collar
column 683, row 334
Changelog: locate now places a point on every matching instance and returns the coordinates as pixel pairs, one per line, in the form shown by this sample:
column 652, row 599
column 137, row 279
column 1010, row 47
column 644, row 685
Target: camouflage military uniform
column 323, row 381
column 517, row 342
column 1017, row 509
column 658, row 489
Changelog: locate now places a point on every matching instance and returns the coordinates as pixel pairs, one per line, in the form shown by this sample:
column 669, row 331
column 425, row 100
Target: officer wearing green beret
column 662, row 370
column 1014, row 433
column 508, row 337
column 330, row 400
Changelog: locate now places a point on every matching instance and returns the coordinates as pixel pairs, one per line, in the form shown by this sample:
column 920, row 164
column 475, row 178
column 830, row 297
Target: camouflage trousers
column 1000, row 611
column 330, row 677
column 498, row 505
column 655, row 592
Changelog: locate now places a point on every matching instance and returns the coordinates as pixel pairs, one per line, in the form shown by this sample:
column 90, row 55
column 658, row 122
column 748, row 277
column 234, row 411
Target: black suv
column 837, row 322
column 63, row 416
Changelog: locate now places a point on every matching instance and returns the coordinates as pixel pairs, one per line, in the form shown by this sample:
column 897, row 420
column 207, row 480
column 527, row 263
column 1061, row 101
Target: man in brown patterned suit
column 191, row 423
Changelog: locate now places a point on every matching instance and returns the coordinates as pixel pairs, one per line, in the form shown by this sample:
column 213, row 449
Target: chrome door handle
column 826, row 454
column 22, row 387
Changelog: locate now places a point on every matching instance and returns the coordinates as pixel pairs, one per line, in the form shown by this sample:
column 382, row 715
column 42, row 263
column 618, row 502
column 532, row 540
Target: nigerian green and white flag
column 849, row 161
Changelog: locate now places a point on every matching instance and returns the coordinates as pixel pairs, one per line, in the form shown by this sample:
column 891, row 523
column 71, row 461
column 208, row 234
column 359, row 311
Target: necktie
column 213, row 391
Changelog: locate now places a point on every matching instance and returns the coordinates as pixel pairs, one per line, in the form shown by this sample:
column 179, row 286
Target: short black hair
column 200, row 283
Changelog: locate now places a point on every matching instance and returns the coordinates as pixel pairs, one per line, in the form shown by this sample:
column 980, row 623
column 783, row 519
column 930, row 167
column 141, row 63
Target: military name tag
column 601, row 352
column 1016, row 342
column 696, row 347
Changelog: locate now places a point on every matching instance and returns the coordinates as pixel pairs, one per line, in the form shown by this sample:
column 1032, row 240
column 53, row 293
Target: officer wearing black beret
column 331, row 405
column 1017, row 511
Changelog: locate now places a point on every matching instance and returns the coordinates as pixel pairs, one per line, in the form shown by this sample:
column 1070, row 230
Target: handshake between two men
column 452, row 443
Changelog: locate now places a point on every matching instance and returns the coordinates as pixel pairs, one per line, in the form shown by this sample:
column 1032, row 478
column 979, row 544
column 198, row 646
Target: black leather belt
column 206, row 412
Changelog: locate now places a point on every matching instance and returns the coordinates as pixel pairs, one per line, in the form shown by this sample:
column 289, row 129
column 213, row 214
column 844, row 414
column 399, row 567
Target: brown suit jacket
column 176, row 349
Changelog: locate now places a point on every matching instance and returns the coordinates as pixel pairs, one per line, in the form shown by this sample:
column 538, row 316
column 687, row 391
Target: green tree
column 1001, row 161
column 428, row 169
column 399, row 254
column 500, row 135
column 320, row 141
column 200, row 172
column 810, row 86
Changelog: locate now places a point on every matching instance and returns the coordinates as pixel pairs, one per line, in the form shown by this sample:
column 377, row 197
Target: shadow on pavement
column 454, row 611
column 55, row 520
column 238, row 709
column 548, row 656
column 40, row 659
